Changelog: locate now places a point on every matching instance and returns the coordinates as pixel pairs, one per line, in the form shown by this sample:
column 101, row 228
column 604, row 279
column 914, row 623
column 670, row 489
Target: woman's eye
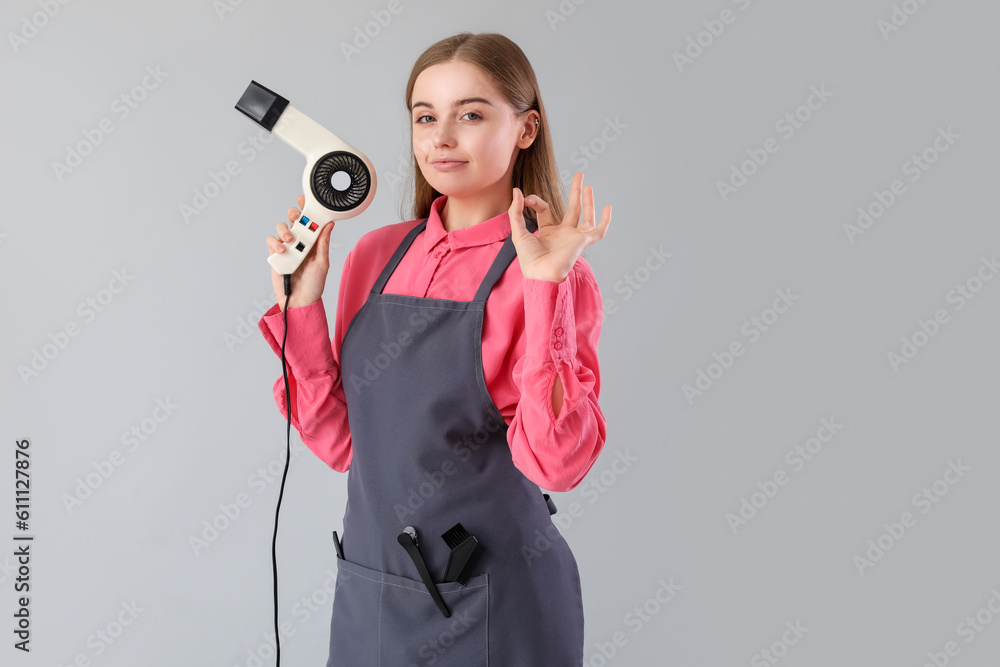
column 420, row 119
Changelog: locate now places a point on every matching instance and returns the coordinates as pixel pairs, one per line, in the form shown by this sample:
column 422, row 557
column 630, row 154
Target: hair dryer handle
column 306, row 230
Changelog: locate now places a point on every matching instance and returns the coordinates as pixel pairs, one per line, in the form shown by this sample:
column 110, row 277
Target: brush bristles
column 455, row 536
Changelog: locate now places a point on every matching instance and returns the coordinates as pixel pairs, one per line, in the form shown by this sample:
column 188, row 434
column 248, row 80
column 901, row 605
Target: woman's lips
column 448, row 165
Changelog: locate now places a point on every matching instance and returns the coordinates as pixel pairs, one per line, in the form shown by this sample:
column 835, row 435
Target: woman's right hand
column 309, row 279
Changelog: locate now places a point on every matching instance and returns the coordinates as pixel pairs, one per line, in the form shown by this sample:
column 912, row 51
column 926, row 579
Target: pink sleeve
column 319, row 408
column 562, row 327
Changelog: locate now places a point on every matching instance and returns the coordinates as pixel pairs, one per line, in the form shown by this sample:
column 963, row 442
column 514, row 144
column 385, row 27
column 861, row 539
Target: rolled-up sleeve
column 562, row 328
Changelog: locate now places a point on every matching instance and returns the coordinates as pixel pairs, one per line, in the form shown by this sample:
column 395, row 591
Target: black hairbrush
column 465, row 553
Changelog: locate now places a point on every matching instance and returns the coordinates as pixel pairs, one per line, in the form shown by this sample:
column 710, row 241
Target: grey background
column 663, row 518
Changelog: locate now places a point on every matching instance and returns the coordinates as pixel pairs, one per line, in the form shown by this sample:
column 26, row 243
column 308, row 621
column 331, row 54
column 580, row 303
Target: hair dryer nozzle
column 261, row 105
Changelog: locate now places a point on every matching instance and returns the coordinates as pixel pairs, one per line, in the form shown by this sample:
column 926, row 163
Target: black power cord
column 288, row 452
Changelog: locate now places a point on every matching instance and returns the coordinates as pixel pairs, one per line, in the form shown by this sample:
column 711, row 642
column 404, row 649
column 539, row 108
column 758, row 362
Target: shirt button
column 558, row 345
column 559, row 331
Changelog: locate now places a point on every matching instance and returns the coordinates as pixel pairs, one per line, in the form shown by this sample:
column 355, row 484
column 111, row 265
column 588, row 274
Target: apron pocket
column 414, row 631
column 384, row 619
column 354, row 626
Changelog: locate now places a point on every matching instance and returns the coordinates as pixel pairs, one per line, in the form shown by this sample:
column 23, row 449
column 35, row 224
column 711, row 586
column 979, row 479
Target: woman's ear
column 529, row 129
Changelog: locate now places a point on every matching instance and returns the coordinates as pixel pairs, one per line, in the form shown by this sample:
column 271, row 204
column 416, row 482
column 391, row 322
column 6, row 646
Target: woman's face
column 464, row 133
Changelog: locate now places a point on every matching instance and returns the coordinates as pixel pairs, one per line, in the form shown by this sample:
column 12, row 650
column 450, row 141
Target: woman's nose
column 443, row 134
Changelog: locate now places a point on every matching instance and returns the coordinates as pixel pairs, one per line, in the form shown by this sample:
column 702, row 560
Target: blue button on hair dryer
column 338, row 181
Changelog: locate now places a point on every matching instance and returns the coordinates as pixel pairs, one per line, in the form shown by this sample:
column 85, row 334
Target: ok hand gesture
column 552, row 253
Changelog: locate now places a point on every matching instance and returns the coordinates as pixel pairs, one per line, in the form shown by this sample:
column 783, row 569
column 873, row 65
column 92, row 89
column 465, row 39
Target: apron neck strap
column 506, row 255
column 503, row 259
column 390, row 266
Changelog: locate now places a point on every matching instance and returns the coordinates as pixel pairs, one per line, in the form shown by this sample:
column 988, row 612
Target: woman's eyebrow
column 456, row 103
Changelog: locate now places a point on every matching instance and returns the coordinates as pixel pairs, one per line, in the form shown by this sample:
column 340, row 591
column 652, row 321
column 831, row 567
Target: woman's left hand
column 551, row 254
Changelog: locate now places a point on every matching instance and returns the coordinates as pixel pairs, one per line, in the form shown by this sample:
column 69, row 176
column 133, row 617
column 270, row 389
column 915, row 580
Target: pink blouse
column 532, row 330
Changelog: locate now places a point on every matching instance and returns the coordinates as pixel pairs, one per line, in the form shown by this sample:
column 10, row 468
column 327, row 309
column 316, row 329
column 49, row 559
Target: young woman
column 458, row 381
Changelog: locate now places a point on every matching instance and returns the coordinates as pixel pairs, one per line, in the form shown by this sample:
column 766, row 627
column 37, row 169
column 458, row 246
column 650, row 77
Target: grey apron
column 430, row 451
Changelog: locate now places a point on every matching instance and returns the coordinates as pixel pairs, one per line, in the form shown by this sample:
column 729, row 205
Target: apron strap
column 552, row 505
column 503, row 259
column 500, row 264
column 506, row 255
column 390, row 266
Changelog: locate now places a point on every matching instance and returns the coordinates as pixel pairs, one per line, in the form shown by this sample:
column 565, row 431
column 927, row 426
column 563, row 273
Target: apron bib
column 430, row 451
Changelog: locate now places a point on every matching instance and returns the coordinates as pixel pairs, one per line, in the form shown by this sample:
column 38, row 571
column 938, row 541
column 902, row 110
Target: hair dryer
column 338, row 181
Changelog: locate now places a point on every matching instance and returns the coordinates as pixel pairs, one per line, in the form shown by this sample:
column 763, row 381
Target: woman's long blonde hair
column 535, row 171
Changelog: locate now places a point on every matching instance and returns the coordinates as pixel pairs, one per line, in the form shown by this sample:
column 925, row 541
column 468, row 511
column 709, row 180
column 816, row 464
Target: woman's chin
column 451, row 189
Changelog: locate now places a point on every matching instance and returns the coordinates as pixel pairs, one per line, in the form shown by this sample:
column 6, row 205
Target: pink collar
column 488, row 231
